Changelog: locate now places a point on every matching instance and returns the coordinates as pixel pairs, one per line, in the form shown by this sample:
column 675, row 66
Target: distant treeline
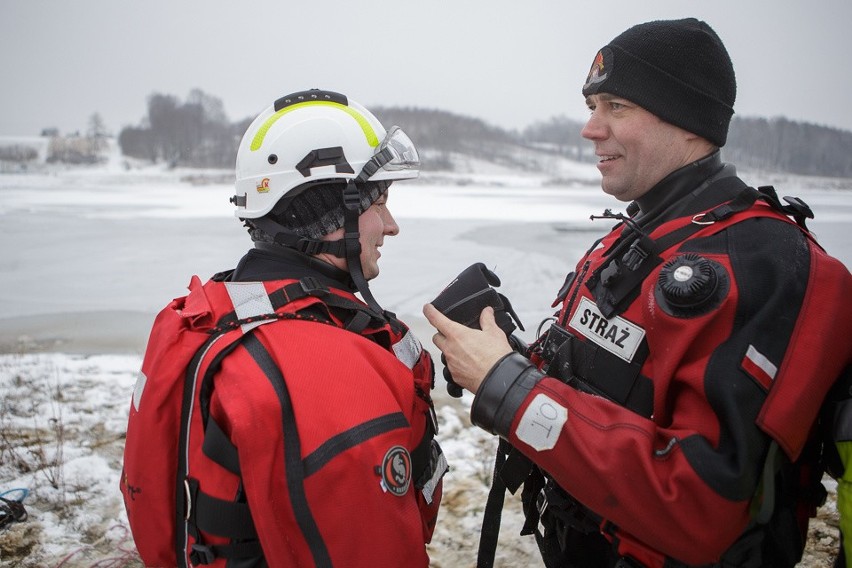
column 194, row 133
column 795, row 147
column 197, row 133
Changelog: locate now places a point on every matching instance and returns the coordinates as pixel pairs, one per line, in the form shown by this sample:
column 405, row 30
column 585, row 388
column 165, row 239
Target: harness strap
column 493, row 513
column 511, row 469
column 208, row 553
column 312, row 287
column 217, row 516
column 292, row 453
column 616, row 282
column 182, row 511
column 219, row 448
column 358, row 322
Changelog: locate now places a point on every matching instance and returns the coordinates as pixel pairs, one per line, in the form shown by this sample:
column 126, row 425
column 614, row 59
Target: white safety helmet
column 311, row 136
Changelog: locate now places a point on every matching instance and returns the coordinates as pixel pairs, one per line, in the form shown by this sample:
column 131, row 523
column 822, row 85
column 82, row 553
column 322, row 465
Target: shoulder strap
column 295, row 473
column 186, row 495
column 258, row 306
column 632, row 259
column 511, row 469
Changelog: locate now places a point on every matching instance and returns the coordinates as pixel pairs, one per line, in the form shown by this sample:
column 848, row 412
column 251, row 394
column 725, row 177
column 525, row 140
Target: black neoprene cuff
column 504, row 389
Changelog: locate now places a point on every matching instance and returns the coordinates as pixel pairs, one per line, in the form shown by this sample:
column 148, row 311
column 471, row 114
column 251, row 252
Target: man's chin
column 371, row 273
column 616, row 191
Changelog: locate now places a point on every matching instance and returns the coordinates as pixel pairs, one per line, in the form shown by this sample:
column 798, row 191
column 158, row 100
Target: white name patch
column 616, row 335
column 542, row 423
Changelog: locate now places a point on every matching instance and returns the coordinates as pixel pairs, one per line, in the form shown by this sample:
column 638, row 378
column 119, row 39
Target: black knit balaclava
column 318, row 209
column 678, row 70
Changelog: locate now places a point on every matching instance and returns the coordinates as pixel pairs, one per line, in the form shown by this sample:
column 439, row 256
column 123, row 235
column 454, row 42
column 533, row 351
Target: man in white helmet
column 307, row 431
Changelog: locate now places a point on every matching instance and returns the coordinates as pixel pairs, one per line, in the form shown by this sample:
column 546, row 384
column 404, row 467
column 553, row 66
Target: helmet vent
column 310, row 96
column 272, row 159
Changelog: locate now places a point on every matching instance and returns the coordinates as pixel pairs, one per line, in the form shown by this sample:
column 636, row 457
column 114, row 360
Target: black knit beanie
column 318, row 209
column 678, row 70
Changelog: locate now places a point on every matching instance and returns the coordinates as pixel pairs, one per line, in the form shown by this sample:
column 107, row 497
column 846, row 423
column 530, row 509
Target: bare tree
column 97, row 132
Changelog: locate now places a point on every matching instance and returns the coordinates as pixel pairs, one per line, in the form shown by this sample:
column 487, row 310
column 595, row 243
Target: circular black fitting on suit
column 691, row 285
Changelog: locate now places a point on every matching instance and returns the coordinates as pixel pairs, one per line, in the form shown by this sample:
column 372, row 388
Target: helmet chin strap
column 348, row 248
column 352, row 244
column 287, row 238
column 351, row 236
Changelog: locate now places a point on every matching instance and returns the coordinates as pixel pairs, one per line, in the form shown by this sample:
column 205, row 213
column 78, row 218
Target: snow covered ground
column 90, row 255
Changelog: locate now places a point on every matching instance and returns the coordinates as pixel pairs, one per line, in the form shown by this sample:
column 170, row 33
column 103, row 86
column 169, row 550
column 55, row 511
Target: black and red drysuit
column 689, row 359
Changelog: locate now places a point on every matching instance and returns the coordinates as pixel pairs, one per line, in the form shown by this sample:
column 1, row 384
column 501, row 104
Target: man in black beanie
column 667, row 418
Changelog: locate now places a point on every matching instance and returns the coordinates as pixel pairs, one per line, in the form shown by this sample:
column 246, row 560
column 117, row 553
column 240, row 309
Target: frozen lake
column 90, row 256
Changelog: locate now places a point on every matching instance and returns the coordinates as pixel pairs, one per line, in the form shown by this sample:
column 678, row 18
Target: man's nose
column 595, row 128
column 391, row 228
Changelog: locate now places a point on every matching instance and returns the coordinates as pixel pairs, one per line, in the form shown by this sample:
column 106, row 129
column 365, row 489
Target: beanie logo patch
column 600, row 68
column 263, row 186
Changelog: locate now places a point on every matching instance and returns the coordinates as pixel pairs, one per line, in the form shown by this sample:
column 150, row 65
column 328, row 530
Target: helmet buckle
column 351, row 196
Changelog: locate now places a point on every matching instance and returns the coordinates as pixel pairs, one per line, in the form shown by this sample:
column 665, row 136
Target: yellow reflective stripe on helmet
column 369, row 133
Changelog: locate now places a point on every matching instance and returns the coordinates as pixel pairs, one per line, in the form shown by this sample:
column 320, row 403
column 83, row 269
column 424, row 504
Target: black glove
column 463, row 301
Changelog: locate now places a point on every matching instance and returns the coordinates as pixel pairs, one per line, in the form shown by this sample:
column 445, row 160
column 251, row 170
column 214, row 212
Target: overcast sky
column 509, row 63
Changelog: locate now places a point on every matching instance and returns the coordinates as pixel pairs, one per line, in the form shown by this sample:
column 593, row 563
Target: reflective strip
column 141, row 379
column 441, row 468
column 408, row 350
column 369, row 133
column 250, row 300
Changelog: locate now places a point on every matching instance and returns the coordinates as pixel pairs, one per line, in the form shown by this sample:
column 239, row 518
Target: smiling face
column 374, row 224
column 636, row 149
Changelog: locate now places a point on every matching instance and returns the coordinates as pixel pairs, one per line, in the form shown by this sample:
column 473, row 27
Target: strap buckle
column 351, row 196
column 797, row 207
column 310, row 246
column 202, row 554
column 313, row 287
